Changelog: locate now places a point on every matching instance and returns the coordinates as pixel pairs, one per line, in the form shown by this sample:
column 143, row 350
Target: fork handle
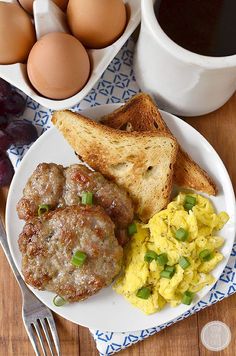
column 4, row 243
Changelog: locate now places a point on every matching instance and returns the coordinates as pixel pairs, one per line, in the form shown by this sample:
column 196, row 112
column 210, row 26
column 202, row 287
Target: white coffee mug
column 181, row 82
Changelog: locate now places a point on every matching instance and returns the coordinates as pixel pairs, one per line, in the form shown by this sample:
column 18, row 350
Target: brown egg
column 28, row 4
column 58, row 65
column 95, row 23
column 17, row 34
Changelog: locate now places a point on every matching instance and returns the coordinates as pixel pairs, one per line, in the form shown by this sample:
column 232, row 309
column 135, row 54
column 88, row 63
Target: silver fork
column 36, row 315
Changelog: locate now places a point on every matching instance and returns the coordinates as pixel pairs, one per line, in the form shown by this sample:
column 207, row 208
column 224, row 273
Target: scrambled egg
column 200, row 223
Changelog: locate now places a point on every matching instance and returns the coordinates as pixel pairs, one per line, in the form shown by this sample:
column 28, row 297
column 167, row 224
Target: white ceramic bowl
column 100, row 58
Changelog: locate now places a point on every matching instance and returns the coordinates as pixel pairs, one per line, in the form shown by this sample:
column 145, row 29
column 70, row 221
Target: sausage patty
column 57, row 186
column 47, row 244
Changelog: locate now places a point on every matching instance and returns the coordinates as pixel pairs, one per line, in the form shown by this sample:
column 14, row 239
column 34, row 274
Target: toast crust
column 140, row 113
column 140, row 162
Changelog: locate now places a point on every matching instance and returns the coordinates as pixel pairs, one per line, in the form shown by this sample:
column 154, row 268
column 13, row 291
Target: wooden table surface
column 181, row 339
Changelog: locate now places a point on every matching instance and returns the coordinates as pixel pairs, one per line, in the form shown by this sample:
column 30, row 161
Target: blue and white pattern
column 118, row 84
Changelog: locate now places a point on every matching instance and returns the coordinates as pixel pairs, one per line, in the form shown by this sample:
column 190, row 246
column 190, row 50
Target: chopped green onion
column 87, row 198
column 150, row 256
column 170, row 269
column 190, row 200
column 132, row 229
column 162, row 259
column 205, row 255
column 168, row 272
column 184, row 262
column 181, row 234
column 187, row 298
column 42, row 209
column 188, row 206
column 143, row 293
column 78, row 258
column 59, row 301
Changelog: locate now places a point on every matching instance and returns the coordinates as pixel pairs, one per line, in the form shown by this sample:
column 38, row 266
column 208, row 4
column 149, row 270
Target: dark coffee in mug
column 206, row 27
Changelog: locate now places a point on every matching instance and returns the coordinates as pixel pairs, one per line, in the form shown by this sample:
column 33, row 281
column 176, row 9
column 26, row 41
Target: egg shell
column 96, row 24
column 28, row 4
column 17, row 34
column 58, row 66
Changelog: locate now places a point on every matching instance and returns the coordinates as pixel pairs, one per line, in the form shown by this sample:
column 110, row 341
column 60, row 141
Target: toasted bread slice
column 140, row 113
column 140, row 162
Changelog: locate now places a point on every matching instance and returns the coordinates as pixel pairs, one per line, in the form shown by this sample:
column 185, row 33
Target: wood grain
column 181, row 339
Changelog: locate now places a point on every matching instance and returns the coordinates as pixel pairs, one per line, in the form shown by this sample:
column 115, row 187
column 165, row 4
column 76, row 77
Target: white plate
column 107, row 310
